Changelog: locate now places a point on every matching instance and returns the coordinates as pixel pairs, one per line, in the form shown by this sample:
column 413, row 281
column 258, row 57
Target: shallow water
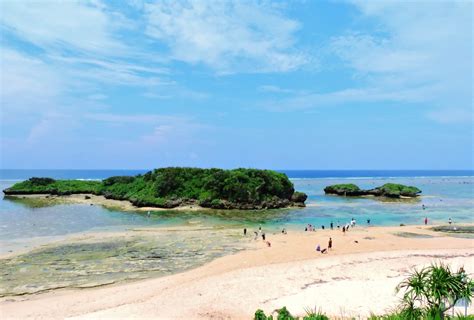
column 96, row 262
column 200, row 237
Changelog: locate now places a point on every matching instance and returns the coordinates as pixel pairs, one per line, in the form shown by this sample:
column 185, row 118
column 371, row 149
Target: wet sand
column 353, row 279
column 91, row 199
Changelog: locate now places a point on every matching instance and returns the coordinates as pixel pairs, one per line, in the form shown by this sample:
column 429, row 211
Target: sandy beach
column 122, row 205
column 353, row 279
column 91, row 199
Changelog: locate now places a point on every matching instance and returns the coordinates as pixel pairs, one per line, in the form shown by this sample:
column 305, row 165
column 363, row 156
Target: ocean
column 21, row 174
column 200, row 235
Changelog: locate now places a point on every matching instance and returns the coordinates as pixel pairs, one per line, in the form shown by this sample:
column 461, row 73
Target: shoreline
column 260, row 277
column 122, row 205
column 79, row 198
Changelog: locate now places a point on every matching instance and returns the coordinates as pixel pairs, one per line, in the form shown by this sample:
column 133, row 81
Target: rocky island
column 389, row 190
column 244, row 189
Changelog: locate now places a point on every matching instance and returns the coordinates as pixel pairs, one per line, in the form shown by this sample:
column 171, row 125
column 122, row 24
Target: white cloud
column 452, row 116
column 97, row 96
column 78, row 46
column 301, row 100
column 420, row 53
column 419, row 45
column 133, row 118
column 26, row 82
column 76, row 25
column 52, row 126
column 230, row 36
column 275, row 89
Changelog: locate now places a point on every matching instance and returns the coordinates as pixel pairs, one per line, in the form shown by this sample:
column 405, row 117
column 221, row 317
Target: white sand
column 352, row 280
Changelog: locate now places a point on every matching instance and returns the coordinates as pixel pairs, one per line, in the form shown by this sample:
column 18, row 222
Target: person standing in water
column 368, row 222
column 450, row 220
column 245, row 231
column 332, row 225
column 426, row 221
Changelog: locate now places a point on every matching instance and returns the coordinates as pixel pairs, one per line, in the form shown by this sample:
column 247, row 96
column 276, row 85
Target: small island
column 174, row 187
column 389, row 190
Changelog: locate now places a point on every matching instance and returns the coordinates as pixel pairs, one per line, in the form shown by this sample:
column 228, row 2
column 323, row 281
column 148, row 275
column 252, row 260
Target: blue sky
column 282, row 85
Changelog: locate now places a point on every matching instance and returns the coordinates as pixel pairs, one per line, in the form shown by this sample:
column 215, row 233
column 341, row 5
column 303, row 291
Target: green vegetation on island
column 390, row 190
column 174, row 187
column 348, row 189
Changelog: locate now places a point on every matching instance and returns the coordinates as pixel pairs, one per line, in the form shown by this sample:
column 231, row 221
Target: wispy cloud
column 452, row 116
column 302, row 100
column 276, row 89
column 78, row 47
column 229, row 36
column 26, row 81
column 419, row 45
column 420, row 54
column 133, row 118
column 52, row 25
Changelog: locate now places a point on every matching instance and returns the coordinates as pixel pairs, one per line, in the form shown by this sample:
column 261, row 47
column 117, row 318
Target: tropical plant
column 315, row 314
column 433, row 290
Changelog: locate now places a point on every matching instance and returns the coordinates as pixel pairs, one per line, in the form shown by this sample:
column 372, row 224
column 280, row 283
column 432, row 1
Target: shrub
column 41, row 181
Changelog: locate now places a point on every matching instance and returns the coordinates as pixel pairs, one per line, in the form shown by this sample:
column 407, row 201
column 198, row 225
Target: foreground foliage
column 433, row 290
column 428, row 294
column 172, row 187
column 284, row 314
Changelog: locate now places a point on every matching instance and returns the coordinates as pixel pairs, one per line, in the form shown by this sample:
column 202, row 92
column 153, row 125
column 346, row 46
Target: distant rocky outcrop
column 390, row 190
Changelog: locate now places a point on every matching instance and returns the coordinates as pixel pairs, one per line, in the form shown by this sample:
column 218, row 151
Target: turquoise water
column 443, row 197
column 190, row 239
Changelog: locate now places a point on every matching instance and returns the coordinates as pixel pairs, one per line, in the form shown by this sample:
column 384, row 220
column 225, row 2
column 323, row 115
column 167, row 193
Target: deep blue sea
column 20, row 174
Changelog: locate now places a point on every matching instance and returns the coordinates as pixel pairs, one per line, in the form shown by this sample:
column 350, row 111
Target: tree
column 433, row 290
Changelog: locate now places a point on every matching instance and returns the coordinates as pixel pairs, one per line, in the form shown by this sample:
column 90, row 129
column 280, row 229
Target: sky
column 280, row 85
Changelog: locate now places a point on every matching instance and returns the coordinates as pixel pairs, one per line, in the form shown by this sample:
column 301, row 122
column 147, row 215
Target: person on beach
column 450, row 221
column 343, row 229
column 324, row 251
column 330, row 244
column 256, row 235
column 283, row 231
column 305, row 228
column 245, row 231
column 426, row 221
column 318, row 248
column 268, row 244
column 263, row 236
column 368, row 222
column 332, row 225
column 322, row 227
